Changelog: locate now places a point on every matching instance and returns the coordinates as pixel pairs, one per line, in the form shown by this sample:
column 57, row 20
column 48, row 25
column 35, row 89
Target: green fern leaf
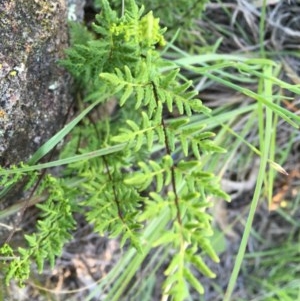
column 150, row 133
column 197, row 106
column 184, row 144
column 210, row 146
column 138, row 180
column 158, row 173
column 200, row 265
column 158, row 111
column 140, row 95
column 193, row 281
column 169, row 77
column 187, row 166
column 114, row 80
column 126, row 94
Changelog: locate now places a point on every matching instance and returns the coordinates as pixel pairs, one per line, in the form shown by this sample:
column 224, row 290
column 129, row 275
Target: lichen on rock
column 34, row 90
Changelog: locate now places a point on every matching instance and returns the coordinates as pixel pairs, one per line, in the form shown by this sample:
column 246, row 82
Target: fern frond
column 154, row 205
column 113, row 206
column 183, row 265
column 105, row 19
column 193, row 138
column 53, row 230
column 135, row 135
column 151, row 172
column 8, row 179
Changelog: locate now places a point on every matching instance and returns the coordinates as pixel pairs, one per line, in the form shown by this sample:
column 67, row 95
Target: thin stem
column 168, row 151
column 116, row 200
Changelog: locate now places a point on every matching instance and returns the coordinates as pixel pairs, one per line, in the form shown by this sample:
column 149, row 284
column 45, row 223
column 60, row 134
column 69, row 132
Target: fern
column 113, row 205
column 53, row 230
column 164, row 92
column 175, row 15
column 8, row 179
column 122, row 191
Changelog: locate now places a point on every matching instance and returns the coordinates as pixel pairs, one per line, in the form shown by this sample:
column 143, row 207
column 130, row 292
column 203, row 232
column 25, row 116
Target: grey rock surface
column 76, row 10
column 34, row 90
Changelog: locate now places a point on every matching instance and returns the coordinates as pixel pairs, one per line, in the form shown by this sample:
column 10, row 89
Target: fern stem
column 116, row 200
column 168, row 151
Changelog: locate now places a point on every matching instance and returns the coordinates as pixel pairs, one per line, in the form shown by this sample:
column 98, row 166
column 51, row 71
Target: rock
column 34, row 90
column 76, row 10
